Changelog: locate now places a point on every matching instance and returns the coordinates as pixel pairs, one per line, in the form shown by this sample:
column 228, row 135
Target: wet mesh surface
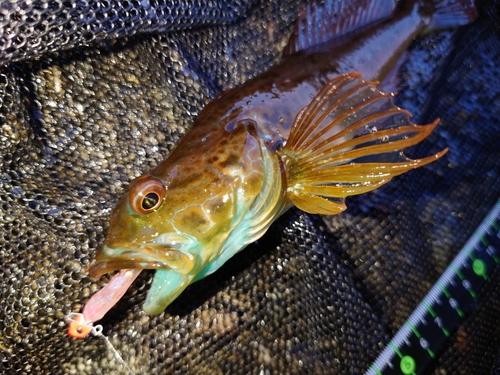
column 314, row 295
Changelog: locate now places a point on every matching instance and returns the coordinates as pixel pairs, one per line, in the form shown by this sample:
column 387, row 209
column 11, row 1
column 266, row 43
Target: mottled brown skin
column 212, row 161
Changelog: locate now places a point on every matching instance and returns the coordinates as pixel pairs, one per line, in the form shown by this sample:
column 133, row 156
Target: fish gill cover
column 96, row 93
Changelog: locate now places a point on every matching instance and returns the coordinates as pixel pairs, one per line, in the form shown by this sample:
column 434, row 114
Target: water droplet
column 385, row 138
column 281, row 120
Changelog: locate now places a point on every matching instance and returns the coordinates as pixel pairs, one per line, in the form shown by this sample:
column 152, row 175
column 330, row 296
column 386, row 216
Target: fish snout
column 141, row 256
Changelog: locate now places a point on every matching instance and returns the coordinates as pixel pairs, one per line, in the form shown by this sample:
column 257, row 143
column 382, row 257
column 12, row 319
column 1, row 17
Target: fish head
column 178, row 218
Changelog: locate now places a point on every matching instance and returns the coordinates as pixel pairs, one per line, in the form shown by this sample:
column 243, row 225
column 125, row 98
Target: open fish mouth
column 150, row 255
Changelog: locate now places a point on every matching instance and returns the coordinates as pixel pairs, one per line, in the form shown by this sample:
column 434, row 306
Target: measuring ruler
column 452, row 296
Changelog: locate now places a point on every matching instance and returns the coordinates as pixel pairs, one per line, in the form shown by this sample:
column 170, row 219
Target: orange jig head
column 79, row 327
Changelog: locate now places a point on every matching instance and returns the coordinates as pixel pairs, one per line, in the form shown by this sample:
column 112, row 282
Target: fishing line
column 97, row 332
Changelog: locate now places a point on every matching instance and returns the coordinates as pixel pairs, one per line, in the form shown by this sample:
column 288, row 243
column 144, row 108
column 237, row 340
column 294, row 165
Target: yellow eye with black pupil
column 146, row 194
column 150, row 201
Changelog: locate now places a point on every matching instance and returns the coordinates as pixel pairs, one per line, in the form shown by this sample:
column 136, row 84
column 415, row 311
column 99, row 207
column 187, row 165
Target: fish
column 308, row 133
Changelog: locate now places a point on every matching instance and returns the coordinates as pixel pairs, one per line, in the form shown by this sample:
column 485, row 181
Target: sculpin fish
column 307, row 133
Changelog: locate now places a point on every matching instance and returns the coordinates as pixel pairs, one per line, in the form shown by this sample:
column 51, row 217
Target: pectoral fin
column 347, row 141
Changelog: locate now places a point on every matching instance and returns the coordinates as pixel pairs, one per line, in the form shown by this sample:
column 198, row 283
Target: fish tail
column 447, row 14
column 349, row 140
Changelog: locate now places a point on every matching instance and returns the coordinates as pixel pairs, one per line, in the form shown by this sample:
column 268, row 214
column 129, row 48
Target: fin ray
column 452, row 13
column 318, row 24
column 351, row 152
column 318, row 205
column 349, row 140
column 366, row 171
column 319, row 101
column 330, row 140
column 359, row 124
column 321, row 118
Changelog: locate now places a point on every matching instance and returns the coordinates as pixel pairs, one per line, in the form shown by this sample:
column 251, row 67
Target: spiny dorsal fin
column 318, row 24
column 348, row 141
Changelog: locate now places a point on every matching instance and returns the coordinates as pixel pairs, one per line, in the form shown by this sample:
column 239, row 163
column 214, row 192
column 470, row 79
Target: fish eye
column 150, row 201
column 146, row 195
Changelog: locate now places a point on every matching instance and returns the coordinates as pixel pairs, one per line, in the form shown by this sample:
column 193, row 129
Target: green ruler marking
column 444, row 307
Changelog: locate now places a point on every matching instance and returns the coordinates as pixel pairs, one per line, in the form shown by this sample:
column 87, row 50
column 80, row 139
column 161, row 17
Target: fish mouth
column 149, row 255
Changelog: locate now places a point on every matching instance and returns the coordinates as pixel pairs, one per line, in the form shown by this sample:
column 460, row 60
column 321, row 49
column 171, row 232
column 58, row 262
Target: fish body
column 308, row 133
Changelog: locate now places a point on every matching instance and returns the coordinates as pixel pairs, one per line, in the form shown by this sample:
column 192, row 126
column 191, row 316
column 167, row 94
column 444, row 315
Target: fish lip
column 170, row 241
column 147, row 255
column 179, row 241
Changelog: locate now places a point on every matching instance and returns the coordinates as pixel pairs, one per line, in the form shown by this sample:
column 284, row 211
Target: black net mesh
column 91, row 97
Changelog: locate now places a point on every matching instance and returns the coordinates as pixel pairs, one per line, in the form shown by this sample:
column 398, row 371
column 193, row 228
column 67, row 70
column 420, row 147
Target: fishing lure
column 81, row 324
column 308, row 133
